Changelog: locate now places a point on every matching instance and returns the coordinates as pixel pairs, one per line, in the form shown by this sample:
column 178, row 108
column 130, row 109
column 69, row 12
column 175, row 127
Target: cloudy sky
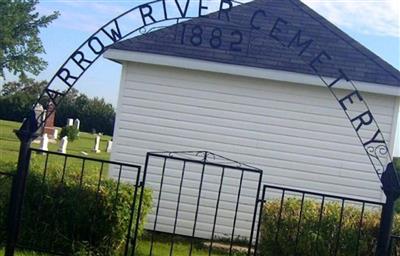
column 374, row 23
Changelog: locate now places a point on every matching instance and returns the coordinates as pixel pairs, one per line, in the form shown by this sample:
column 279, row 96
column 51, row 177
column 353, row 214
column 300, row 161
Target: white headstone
column 77, row 123
column 70, row 122
column 39, row 113
column 109, row 146
column 55, row 134
column 63, row 145
column 44, row 115
column 44, row 142
column 38, row 110
column 96, row 144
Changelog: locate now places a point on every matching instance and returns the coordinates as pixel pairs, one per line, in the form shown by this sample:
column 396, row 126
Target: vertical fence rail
column 395, row 245
column 177, row 208
column 6, row 182
column 60, row 183
column 216, row 211
column 18, row 190
column 133, row 211
column 198, row 203
column 257, row 203
column 158, row 206
column 142, row 186
column 209, row 177
column 329, row 217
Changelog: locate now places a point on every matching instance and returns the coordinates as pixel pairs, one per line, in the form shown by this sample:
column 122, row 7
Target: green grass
column 9, row 143
column 162, row 247
column 9, row 148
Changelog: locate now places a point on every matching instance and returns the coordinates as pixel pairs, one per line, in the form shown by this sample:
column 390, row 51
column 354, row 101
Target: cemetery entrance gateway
column 153, row 14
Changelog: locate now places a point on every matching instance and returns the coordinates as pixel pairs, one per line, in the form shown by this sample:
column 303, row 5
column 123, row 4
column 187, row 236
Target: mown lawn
column 162, row 247
column 9, row 145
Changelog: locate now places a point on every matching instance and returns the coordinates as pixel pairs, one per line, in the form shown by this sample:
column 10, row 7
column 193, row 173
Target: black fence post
column 391, row 189
column 26, row 134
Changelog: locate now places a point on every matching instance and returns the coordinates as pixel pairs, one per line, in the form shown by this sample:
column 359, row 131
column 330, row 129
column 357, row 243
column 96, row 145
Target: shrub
column 314, row 238
column 69, row 218
column 5, row 193
column 70, row 131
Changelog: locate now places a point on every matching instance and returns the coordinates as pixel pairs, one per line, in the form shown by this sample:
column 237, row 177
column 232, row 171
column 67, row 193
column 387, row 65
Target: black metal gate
column 204, row 201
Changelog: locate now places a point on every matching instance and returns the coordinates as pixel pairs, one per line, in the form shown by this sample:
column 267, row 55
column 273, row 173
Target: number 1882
column 196, row 36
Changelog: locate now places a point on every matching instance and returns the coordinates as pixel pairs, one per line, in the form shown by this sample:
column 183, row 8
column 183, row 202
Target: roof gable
column 268, row 34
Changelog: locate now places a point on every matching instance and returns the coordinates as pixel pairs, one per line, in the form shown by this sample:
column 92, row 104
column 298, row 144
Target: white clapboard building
column 246, row 85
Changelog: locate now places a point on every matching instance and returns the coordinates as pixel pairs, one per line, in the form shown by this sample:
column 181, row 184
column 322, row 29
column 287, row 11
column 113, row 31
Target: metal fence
column 69, row 199
column 198, row 197
column 300, row 222
column 395, row 245
column 204, row 198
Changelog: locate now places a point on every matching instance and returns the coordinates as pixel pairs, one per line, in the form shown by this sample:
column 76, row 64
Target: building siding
column 296, row 133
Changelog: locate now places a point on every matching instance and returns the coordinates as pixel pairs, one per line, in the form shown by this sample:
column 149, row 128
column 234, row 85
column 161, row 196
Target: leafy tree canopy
column 20, row 44
column 29, row 86
column 17, row 98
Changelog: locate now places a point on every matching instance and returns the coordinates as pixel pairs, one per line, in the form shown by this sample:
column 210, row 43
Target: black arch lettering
column 225, row 10
column 184, row 11
column 146, row 14
column 373, row 140
column 79, row 58
column 350, row 99
column 341, row 76
column 254, row 17
column 165, row 9
column 91, row 46
column 201, row 8
column 363, row 121
column 305, row 44
column 318, row 59
column 276, row 28
column 114, row 35
column 65, row 75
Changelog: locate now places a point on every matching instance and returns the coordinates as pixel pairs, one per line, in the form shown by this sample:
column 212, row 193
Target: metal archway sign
column 148, row 15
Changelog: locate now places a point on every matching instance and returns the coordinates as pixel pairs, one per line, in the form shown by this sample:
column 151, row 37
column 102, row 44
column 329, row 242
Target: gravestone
column 63, row 145
column 96, row 144
column 77, row 123
column 109, row 146
column 44, row 142
column 55, row 134
column 39, row 113
column 70, row 122
column 49, row 123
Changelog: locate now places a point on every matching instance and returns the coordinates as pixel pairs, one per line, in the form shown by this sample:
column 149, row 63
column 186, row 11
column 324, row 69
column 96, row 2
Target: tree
column 28, row 86
column 17, row 98
column 94, row 113
column 20, row 44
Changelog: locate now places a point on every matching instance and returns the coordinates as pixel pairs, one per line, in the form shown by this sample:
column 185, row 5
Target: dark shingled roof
column 259, row 49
